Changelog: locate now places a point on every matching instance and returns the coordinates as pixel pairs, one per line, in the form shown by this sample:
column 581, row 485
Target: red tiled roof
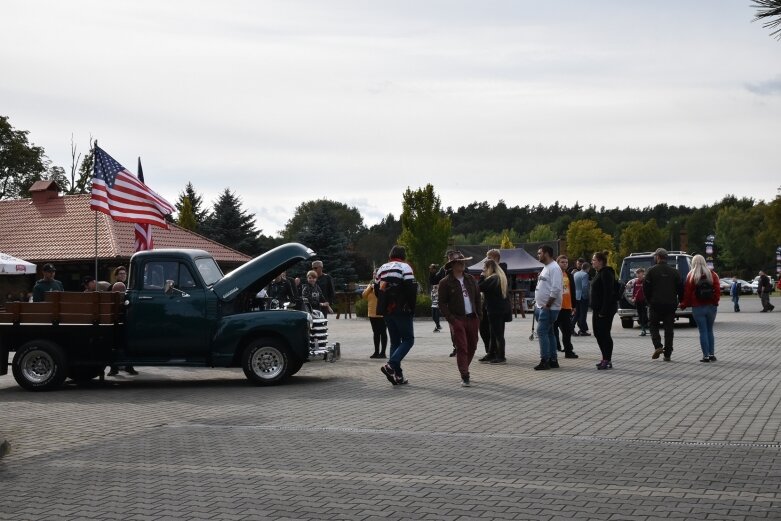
column 62, row 228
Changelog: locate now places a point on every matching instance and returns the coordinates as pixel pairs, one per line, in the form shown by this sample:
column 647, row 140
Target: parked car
column 680, row 260
column 726, row 286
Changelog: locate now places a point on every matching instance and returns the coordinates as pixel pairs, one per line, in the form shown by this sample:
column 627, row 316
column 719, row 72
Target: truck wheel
column 39, row 365
column 83, row 374
column 627, row 323
column 265, row 362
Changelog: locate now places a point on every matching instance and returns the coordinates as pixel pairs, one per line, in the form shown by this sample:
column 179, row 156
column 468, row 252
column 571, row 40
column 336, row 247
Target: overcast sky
column 614, row 103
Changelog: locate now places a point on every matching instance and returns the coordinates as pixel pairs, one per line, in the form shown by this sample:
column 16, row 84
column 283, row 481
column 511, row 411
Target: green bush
column 361, row 308
column 422, row 306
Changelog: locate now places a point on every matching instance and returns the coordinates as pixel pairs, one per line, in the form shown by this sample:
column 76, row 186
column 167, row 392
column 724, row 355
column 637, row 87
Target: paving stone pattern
column 646, row 440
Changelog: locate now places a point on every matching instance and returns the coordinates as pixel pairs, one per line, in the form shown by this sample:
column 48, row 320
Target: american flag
column 143, row 232
column 116, row 192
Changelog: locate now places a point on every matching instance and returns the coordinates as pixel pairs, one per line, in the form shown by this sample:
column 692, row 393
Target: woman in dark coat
column 604, row 303
column 493, row 285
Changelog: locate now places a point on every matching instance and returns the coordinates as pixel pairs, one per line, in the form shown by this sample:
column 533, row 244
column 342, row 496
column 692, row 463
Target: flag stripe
column 116, row 192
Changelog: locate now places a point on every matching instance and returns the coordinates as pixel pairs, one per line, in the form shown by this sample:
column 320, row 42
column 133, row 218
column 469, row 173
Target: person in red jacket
column 701, row 293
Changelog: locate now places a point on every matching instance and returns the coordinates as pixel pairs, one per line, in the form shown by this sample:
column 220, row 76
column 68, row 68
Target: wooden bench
column 63, row 307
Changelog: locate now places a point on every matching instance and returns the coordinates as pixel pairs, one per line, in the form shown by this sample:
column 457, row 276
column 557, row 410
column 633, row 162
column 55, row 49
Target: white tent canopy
column 10, row 265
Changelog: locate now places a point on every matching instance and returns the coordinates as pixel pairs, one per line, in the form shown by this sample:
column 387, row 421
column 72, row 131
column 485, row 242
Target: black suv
column 679, row 260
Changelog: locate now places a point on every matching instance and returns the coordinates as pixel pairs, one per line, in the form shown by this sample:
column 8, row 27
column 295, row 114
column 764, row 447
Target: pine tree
column 321, row 232
column 232, row 226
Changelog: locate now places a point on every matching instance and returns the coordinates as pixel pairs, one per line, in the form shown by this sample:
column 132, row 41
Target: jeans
column 402, row 337
column 705, row 316
column 545, row 319
column 581, row 312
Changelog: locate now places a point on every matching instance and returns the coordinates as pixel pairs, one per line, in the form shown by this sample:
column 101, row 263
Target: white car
column 755, row 284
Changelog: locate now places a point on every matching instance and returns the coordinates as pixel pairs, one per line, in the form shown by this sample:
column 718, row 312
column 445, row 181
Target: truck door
column 165, row 327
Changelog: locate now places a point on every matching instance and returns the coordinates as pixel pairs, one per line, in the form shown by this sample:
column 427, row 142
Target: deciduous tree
column 425, row 230
column 584, row 237
column 21, row 162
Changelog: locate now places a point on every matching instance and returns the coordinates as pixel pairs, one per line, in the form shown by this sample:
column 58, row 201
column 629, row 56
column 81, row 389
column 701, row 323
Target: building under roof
column 50, row 227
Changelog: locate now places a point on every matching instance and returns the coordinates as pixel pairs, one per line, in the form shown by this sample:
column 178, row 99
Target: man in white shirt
column 547, row 304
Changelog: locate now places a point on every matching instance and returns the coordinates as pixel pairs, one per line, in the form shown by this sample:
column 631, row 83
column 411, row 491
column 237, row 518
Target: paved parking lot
column 647, row 440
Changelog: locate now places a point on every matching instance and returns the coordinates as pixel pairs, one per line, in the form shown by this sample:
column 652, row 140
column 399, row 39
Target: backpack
column 703, row 290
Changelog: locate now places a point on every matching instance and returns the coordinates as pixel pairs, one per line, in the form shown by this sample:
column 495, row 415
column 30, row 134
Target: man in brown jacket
column 459, row 303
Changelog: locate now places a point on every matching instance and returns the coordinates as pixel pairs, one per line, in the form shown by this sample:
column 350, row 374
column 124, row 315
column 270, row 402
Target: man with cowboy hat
column 459, row 303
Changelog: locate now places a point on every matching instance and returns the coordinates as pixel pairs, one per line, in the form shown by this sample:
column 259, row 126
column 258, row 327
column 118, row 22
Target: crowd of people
column 479, row 307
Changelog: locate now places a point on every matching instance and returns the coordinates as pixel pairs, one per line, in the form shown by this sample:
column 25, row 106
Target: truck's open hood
column 261, row 269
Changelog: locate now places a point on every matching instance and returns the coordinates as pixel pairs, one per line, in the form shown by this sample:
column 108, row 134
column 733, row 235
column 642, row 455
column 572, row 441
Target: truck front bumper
column 318, row 341
column 330, row 353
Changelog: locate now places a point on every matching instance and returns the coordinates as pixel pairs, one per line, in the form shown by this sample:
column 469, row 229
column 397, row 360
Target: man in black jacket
column 764, row 287
column 663, row 290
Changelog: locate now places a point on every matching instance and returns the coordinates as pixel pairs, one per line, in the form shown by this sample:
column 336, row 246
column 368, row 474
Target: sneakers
column 498, row 361
column 465, row 382
column 571, row 354
column 553, row 363
column 605, row 364
column 658, row 351
column 437, row 329
column 705, row 359
column 542, row 366
column 643, row 333
column 389, row 373
column 712, row 358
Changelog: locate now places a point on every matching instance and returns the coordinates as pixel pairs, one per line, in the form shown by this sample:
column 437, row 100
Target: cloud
column 766, row 88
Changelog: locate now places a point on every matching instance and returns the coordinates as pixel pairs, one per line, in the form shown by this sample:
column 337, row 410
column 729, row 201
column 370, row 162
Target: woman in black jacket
column 604, row 303
column 493, row 285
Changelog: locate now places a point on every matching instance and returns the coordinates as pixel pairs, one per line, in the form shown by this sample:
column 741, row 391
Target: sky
column 605, row 103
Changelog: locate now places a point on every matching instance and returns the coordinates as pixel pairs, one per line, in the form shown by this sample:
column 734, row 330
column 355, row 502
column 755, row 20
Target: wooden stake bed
column 63, row 307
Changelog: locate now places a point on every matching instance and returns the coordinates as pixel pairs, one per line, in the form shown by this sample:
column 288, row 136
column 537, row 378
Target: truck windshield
column 209, row 270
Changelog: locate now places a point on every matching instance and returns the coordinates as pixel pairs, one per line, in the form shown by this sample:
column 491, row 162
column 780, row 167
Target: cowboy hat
column 455, row 256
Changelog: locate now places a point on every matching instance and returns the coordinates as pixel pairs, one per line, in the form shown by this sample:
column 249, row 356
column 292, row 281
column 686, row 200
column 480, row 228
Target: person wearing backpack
column 701, row 293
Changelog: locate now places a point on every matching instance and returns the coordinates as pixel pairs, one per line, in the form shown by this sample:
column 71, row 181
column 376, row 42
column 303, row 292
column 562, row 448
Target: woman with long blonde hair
column 493, row 285
column 702, row 292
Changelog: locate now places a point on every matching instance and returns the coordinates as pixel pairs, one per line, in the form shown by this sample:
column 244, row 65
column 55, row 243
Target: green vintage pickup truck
column 179, row 310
